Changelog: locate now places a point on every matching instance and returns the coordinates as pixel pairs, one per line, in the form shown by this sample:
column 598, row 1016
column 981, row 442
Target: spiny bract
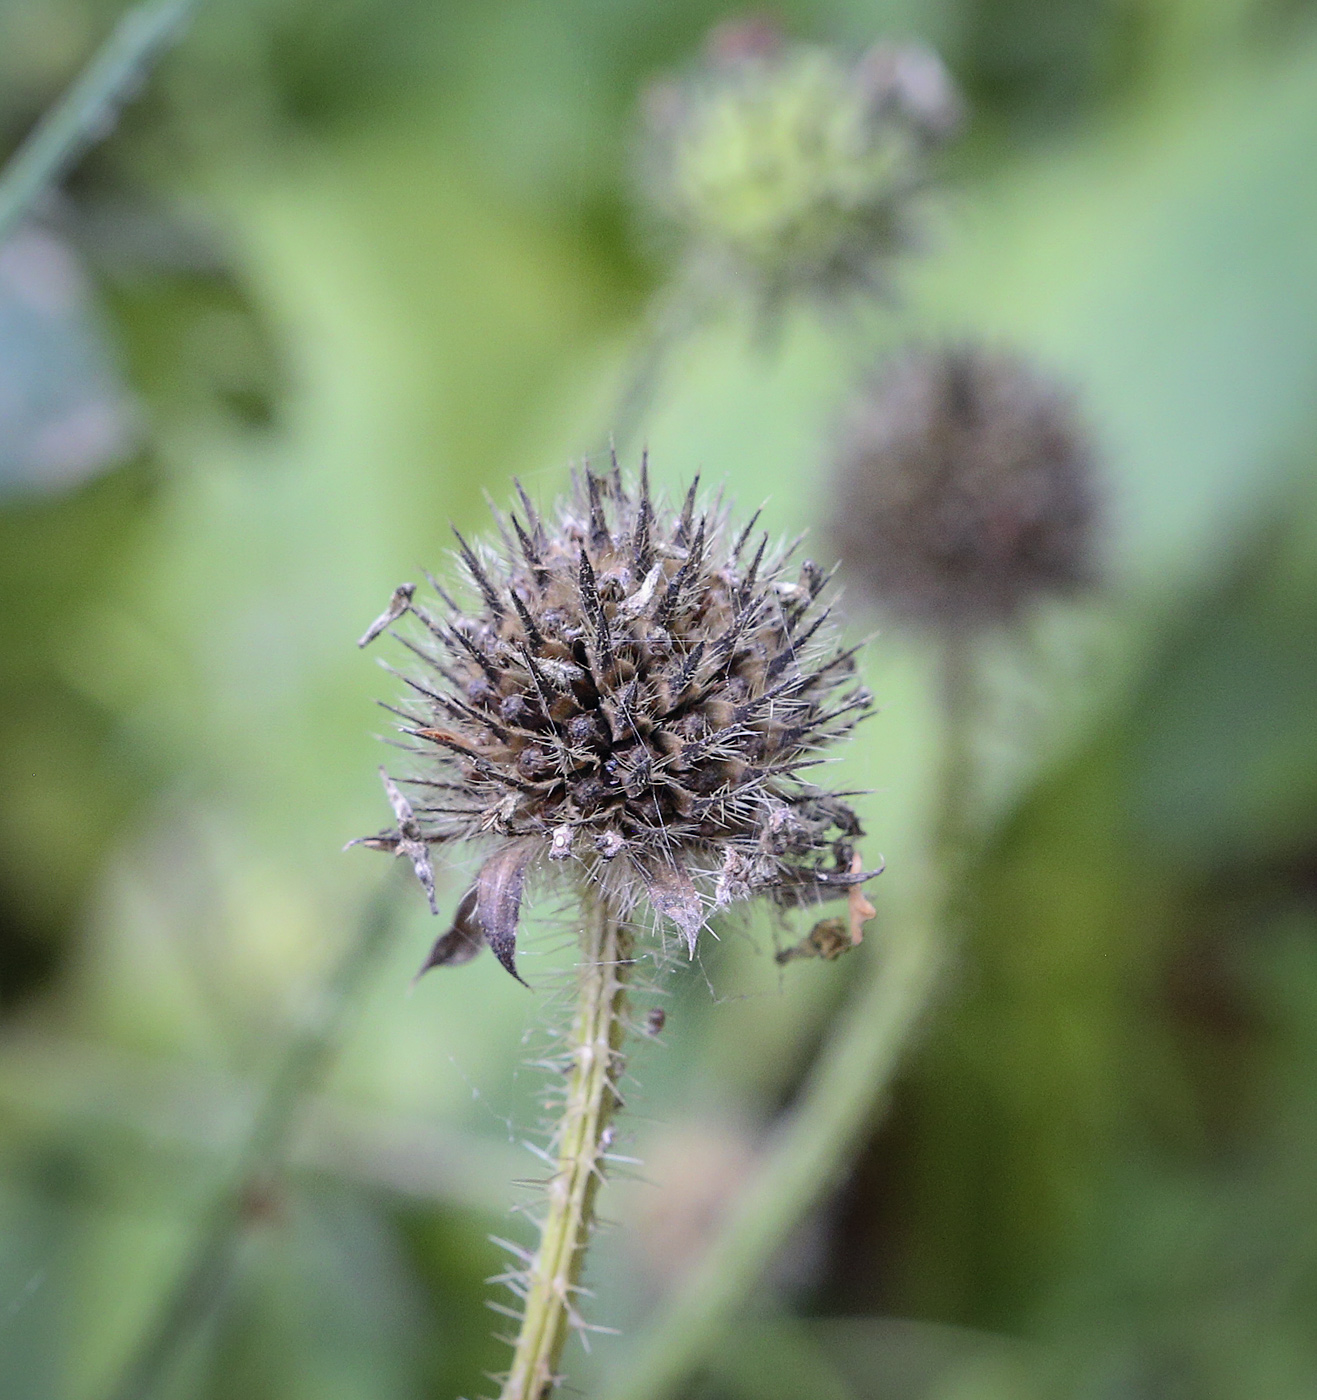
column 635, row 691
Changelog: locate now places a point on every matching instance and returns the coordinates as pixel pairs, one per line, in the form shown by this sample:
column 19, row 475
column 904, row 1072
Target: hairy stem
column 844, row 1092
column 580, row 1142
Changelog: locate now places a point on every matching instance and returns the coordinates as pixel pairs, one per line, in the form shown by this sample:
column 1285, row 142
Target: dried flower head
column 632, row 693
column 786, row 166
column 964, row 489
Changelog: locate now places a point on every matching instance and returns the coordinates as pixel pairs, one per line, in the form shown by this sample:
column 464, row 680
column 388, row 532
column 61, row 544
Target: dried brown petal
column 498, row 899
column 858, row 909
column 462, row 942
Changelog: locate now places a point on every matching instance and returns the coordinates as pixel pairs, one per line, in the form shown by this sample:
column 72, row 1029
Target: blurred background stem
column 305, row 1064
column 87, row 112
column 672, row 318
column 953, row 818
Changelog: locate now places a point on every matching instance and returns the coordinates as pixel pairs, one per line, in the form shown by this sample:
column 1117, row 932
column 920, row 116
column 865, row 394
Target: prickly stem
column 580, row 1145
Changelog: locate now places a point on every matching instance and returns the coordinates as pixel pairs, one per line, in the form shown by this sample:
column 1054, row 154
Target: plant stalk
column 953, row 823
column 673, row 317
column 581, row 1142
column 300, row 1073
column 87, row 111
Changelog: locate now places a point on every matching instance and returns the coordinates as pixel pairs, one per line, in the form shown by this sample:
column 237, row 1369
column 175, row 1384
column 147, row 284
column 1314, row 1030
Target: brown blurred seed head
column 964, row 489
column 630, row 692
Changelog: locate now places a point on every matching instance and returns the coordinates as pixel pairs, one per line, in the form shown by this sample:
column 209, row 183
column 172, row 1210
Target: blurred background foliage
column 345, row 265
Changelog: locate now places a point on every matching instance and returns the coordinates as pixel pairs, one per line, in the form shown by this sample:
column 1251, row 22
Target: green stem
column 673, row 316
column 580, row 1139
column 299, row 1074
column 843, row 1094
column 953, row 818
column 86, row 112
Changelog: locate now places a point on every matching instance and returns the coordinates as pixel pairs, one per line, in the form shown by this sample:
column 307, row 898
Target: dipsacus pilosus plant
column 964, row 489
column 782, row 167
column 631, row 696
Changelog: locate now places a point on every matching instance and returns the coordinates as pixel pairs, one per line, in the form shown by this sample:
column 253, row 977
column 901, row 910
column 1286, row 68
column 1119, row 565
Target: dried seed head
column 630, row 692
column 789, row 167
column 964, row 489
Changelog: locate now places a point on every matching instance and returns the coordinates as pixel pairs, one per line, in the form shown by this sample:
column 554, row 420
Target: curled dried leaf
column 858, row 908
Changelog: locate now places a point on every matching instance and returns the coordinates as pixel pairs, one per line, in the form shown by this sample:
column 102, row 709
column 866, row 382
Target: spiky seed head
column 631, row 692
column 788, row 167
column 964, row 489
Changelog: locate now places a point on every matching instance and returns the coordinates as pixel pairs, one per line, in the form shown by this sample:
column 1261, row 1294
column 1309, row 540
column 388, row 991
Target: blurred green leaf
column 325, row 1308
column 776, row 1359
column 1226, row 760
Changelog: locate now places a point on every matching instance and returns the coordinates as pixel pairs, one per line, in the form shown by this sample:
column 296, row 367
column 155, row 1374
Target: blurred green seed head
column 788, row 166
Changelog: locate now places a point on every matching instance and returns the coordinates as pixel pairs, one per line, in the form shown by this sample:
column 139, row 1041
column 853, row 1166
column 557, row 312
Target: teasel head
column 785, row 167
column 631, row 694
column 964, row 489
